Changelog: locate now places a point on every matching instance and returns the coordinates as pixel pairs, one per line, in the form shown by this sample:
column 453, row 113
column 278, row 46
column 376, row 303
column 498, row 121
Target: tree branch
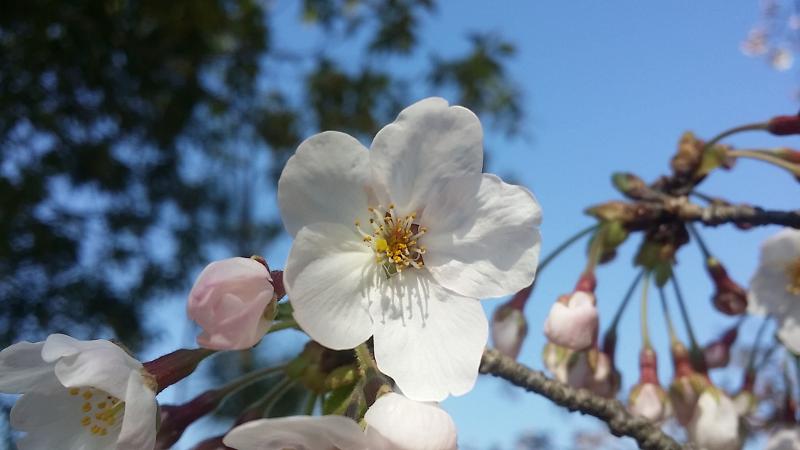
column 739, row 214
column 610, row 411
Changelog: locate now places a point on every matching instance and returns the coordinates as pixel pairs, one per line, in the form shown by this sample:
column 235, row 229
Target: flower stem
column 700, row 242
column 766, row 156
column 311, row 402
column 695, row 352
column 563, row 246
column 752, row 360
column 246, row 380
column 645, row 332
column 595, row 251
column 731, row 131
column 263, row 406
column 625, row 301
column 673, row 336
column 365, row 361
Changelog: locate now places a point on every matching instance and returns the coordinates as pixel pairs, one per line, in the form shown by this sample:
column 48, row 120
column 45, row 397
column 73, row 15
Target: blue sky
column 608, row 86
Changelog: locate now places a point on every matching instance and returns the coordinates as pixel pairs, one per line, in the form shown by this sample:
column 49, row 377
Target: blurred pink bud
column 729, row 298
column 718, row 353
column 233, row 301
column 594, row 371
column 573, row 321
column 649, row 400
column 509, row 329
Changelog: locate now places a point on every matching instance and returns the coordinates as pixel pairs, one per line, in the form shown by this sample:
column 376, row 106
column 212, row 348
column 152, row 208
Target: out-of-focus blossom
column 775, row 287
column 509, row 329
column 79, row 395
column 573, row 322
column 686, row 386
column 756, row 42
column 233, row 302
column 715, row 424
column 781, row 59
column 784, row 438
column 394, row 422
column 398, row 243
column 649, row 400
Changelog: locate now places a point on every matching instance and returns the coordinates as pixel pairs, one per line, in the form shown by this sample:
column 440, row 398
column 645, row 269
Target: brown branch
column 610, row 411
column 713, row 215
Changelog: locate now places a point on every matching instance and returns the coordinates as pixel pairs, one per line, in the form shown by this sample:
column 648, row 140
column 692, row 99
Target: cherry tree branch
column 714, row 215
column 610, row 411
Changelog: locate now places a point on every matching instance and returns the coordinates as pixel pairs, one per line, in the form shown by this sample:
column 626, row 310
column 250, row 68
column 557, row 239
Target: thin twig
column 610, row 411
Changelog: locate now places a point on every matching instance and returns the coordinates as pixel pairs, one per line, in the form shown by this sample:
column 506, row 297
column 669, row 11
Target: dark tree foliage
column 139, row 138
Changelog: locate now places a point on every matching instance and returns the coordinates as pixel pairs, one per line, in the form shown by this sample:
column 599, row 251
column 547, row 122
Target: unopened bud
column 176, row 418
column 784, row 125
column 687, row 159
column 630, row 185
column 729, row 298
column 509, row 328
column 788, row 155
column 686, row 386
column 573, row 321
column 718, row 353
column 173, row 367
column 649, row 400
column 616, row 211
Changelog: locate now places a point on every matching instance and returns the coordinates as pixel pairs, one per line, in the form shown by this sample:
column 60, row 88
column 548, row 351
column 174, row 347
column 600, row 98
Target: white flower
column 573, row 322
column 784, row 438
column 399, row 241
column 775, row 287
column 716, row 424
column 396, row 423
column 78, row 395
column 298, row 433
column 393, row 423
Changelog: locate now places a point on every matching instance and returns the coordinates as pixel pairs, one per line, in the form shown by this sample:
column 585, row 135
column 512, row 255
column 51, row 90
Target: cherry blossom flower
column 715, row 425
column 394, row 422
column 775, row 287
column 573, row 321
column 78, row 395
column 298, row 433
column 233, row 301
column 399, row 241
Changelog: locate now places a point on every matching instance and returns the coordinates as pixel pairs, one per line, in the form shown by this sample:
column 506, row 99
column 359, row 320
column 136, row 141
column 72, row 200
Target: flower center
column 793, row 271
column 99, row 410
column 395, row 240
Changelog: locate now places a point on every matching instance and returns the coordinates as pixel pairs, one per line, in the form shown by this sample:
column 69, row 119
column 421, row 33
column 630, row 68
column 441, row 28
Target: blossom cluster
column 393, row 248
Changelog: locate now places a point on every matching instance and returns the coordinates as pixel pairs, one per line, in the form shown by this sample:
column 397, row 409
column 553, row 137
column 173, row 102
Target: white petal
column 139, row 422
column 99, row 363
column 437, row 351
column 715, row 424
column 298, row 432
column 768, row 294
column 325, row 181
column 52, row 419
column 329, row 277
column 787, row 438
column 483, row 238
column 22, row 367
column 397, row 423
column 781, row 248
column 789, row 331
column 428, row 143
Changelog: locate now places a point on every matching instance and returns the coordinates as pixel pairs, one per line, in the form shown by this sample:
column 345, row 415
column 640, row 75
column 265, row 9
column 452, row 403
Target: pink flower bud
column 729, row 298
column 573, row 321
column 649, row 400
column 784, row 125
column 233, row 301
column 509, row 329
column 718, row 353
